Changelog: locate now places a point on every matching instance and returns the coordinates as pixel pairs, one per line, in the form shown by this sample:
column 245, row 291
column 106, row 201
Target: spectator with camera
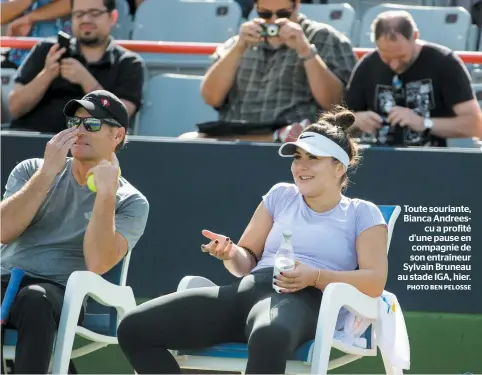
column 52, row 74
column 409, row 92
column 281, row 68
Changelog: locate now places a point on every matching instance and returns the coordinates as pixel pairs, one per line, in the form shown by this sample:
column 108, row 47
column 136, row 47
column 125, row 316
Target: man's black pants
column 35, row 314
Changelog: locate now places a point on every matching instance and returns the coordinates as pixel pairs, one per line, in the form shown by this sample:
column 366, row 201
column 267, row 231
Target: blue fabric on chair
column 98, row 323
column 387, row 212
column 102, row 319
column 10, row 338
column 240, row 350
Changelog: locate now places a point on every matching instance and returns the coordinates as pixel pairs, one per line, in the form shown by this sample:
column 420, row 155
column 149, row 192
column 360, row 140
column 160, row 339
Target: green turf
column 440, row 344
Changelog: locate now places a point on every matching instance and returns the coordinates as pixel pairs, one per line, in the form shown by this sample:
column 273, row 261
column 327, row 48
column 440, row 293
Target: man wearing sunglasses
column 52, row 74
column 298, row 69
column 53, row 224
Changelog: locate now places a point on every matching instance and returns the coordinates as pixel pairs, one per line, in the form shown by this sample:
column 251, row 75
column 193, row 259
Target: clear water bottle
column 285, row 257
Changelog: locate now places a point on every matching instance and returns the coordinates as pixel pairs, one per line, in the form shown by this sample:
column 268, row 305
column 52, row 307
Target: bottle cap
column 287, row 233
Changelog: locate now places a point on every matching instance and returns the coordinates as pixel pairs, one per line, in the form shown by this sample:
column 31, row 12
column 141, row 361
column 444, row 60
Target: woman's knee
column 130, row 330
column 271, row 339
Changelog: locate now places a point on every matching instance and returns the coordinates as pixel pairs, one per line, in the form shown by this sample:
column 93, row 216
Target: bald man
column 411, row 92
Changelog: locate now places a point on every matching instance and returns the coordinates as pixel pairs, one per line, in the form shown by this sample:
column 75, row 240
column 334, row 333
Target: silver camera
column 270, row 30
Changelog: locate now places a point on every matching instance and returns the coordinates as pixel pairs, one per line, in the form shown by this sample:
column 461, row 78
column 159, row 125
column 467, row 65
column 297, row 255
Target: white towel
column 393, row 338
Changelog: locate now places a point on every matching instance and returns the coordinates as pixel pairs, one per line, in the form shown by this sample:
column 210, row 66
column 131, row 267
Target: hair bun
column 345, row 120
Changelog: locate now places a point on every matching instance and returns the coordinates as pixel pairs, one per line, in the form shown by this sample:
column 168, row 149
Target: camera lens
column 272, row 30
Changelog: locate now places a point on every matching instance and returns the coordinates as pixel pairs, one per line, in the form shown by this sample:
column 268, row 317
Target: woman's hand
column 220, row 246
column 301, row 277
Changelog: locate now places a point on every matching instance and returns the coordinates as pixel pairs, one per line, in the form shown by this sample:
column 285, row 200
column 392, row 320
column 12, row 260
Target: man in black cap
column 53, row 224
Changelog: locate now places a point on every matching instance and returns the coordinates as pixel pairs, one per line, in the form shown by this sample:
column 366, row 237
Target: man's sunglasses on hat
column 91, row 124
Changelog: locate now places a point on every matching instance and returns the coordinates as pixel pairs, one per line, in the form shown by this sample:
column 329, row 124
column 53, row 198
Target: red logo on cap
column 105, row 102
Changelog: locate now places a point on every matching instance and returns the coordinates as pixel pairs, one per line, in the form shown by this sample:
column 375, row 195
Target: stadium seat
column 477, row 87
column 8, row 76
column 109, row 300
column 361, row 6
column 449, row 26
column 185, row 21
column 123, row 28
column 173, row 105
column 341, row 16
column 313, row 356
column 469, row 142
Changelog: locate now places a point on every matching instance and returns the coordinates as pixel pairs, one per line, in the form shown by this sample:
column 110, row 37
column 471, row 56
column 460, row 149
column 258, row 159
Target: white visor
column 317, row 145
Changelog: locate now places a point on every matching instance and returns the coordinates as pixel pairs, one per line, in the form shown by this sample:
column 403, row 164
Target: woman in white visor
column 335, row 239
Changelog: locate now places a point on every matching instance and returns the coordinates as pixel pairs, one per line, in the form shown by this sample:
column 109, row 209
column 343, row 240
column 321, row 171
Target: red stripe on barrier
column 468, row 57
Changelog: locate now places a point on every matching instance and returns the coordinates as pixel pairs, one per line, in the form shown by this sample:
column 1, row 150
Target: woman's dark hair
column 336, row 125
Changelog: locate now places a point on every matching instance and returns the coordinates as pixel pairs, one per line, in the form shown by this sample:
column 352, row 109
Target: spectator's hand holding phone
column 52, row 65
column 73, row 71
column 63, row 40
column 368, row 121
column 406, row 117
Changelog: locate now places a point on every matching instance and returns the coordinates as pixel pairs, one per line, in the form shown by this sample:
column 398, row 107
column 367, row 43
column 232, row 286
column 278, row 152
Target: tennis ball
column 91, row 183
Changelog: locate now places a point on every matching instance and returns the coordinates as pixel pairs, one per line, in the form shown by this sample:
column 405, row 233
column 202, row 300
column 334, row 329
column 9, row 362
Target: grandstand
column 172, row 105
column 203, row 21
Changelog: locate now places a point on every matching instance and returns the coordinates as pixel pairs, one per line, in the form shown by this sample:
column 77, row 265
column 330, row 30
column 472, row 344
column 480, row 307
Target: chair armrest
column 345, row 295
column 85, row 283
column 79, row 285
column 336, row 296
column 190, row 282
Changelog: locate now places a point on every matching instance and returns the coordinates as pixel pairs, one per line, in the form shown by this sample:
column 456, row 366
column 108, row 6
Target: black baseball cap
column 101, row 104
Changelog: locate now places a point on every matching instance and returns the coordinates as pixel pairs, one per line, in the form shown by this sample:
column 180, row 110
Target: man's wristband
column 313, row 53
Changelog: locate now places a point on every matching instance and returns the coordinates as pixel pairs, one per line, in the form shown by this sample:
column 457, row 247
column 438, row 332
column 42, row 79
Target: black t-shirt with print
column 431, row 86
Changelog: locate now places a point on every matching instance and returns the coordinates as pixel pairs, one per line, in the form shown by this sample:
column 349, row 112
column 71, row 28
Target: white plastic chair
column 110, row 299
column 313, row 356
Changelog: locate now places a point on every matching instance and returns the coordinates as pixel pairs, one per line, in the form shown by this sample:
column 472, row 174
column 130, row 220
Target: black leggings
column 247, row 311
